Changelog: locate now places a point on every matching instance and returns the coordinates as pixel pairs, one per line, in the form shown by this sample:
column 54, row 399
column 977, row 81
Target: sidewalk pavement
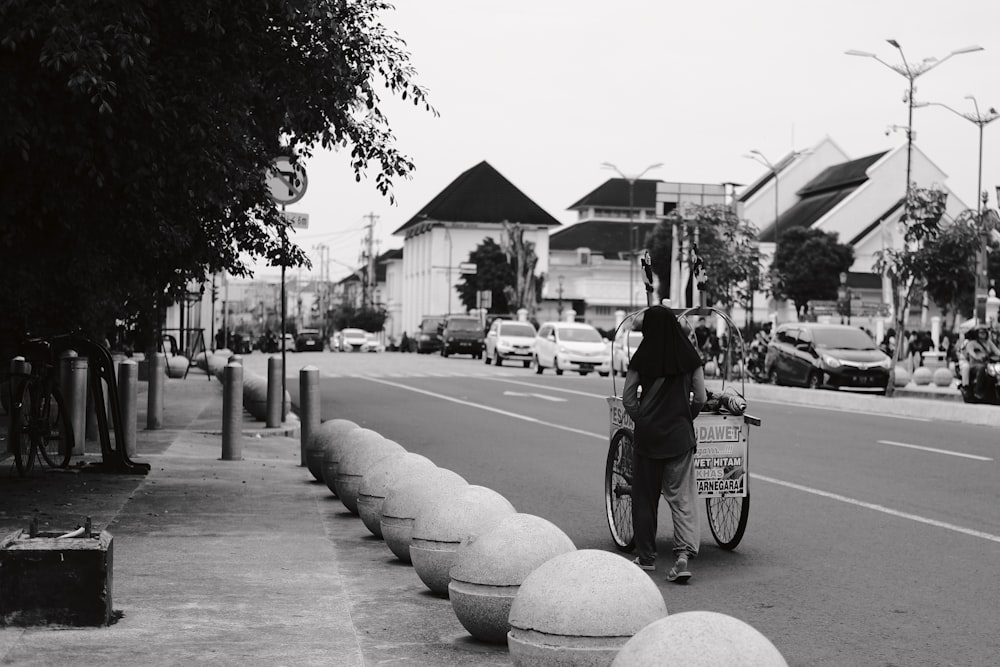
column 246, row 562
column 253, row 562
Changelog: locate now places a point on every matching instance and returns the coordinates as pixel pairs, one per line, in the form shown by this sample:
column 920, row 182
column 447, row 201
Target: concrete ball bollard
column 922, row 376
column 445, row 524
column 348, row 440
column 408, row 499
column 353, row 466
column 580, row 608
column 255, row 397
column 489, row 569
column 699, row 638
column 177, row 366
column 943, row 377
column 381, row 478
column 902, row 377
column 326, row 436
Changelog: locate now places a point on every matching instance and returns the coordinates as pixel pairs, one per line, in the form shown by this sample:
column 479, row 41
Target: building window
column 584, row 255
column 600, row 310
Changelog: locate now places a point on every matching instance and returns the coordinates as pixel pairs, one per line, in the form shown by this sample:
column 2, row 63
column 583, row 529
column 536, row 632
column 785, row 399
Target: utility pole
column 368, row 294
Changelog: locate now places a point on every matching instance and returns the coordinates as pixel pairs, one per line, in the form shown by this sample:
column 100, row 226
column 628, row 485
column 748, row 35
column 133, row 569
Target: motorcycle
column 755, row 362
column 992, row 391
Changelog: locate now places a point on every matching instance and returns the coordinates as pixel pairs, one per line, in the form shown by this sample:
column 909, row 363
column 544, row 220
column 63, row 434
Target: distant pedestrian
column 404, row 343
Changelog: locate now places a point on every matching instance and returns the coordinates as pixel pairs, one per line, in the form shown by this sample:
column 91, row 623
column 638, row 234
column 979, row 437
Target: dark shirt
column 664, row 415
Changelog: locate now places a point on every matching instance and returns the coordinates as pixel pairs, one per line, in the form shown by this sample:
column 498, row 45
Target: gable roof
column 604, row 237
column 613, row 193
column 768, row 176
column 481, row 194
column 820, row 195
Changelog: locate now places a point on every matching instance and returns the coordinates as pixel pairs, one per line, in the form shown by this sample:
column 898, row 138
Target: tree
column 493, row 274
column 808, row 265
column 524, row 293
column 948, row 262
column 366, row 317
column 136, row 138
column 726, row 256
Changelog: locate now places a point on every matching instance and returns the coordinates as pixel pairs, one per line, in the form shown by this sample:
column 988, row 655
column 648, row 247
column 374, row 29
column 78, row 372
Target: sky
column 548, row 90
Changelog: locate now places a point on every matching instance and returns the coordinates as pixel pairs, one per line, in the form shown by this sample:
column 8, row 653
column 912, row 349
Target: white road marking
column 935, row 450
column 849, row 411
column 880, row 508
column 550, row 388
column 528, row 394
column 790, row 485
column 487, row 408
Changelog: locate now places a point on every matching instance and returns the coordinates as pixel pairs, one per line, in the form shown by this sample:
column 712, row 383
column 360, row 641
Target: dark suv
column 821, row 355
column 462, row 334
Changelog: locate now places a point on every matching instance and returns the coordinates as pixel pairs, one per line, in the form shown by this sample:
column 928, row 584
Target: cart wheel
column 618, row 489
column 727, row 517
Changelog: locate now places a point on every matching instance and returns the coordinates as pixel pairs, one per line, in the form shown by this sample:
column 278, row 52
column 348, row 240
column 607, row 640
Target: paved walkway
column 254, row 563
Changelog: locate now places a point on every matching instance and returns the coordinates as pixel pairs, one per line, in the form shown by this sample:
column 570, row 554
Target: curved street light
column 631, row 224
column 911, row 71
column 757, row 156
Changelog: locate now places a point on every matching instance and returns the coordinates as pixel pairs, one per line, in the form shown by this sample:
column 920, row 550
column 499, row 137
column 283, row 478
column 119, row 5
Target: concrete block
column 580, row 608
column 922, row 376
column 699, row 638
column 407, row 500
column 177, row 366
column 443, row 525
column 326, row 436
column 355, row 463
column 381, row 478
column 902, row 377
column 51, row 580
column 943, row 377
column 348, row 440
column 489, row 569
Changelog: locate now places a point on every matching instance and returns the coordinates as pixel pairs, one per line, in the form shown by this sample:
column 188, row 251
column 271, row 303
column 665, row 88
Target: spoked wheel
column 55, row 441
column 618, row 489
column 727, row 517
column 20, row 432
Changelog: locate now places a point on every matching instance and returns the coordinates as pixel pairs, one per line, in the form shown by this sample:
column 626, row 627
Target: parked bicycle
column 40, row 427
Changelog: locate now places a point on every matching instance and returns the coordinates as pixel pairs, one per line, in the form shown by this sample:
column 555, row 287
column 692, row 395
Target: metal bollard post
column 154, row 399
column 275, row 400
column 128, row 391
column 92, row 433
column 308, row 407
column 232, row 412
column 73, row 382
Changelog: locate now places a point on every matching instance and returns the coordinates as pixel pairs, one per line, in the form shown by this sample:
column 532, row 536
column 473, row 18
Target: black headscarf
column 665, row 349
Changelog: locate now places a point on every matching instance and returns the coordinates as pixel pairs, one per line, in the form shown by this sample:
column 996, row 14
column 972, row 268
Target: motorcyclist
column 978, row 351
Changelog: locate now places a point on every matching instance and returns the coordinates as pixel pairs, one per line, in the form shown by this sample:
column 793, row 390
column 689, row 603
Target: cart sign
column 720, row 462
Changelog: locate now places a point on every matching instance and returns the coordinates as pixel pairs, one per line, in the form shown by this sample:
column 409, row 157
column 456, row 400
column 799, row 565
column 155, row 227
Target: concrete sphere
column 943, row 377
column 441, row 528
column 699, row 638
column 348, row 440
column 255, row 397
column 489, row 568
column 902, row 376
column 353, row 466
column 922, row 376
column 407, row 500
column 381, row 478
column 322, row 438
column 580, row 608
column 177, row 366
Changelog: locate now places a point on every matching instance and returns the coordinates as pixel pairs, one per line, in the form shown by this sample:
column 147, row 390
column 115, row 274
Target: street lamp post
column 560, row 296
column 757, row 156
column 631, row 224
column 910, row 72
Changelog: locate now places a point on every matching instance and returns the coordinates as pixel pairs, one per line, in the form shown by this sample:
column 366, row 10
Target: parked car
column 310, row 340
column 571, row 346
column 353, row 340
column 826, row 355
column 625, row 345
column 429, row 334
column 507, row 340
column 372, row 343
column 462, row 334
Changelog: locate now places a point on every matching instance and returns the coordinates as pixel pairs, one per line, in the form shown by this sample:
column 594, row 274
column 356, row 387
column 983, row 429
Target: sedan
column 510, row 341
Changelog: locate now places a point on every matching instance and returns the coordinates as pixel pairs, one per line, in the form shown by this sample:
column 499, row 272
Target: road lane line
column 550, row 388
column 879, row 508
column 932, row 449
column 529, row 394
column 487, row 408
column 832, row 409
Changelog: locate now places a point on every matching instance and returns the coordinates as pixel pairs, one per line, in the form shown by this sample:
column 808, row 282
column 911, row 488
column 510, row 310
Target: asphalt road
column 872, row 540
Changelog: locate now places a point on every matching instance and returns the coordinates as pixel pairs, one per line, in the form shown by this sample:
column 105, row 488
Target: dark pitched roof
column 877, row 221
column 818, row 197
column 394, row 253
column 768, row 176
column 613, row 193
column 605, row 237
column 481, row 194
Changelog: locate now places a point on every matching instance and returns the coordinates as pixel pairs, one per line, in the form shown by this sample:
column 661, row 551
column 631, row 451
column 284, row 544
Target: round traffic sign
column 286, row 182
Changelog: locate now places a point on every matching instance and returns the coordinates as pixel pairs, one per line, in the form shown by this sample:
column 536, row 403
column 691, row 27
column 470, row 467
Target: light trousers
column 674, row 479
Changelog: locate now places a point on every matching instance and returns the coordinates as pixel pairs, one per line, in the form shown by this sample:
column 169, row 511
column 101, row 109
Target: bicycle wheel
column 20, row 431
column 727, row 517
column 618, row 489
column 55, row 442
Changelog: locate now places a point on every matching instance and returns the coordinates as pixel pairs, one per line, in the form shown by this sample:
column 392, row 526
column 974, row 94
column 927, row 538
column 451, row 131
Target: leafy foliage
column 137, row 135
column 493, row 273
column 366, row 317
column 948, row 265
column 808, row 264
